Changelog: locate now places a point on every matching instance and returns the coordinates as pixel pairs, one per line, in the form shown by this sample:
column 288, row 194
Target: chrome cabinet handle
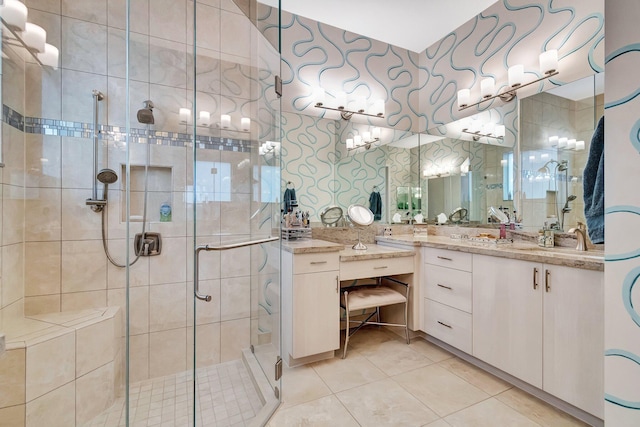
column 207, row 248
column 446, row 287
column 547, row 280
column 380, row 268
column 535, row 278
column 337, row 284
column 444, row 324
column 318, row 262
column 444, row 258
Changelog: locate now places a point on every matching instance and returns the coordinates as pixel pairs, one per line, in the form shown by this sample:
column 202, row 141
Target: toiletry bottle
column 165, row 212
column 503, row 230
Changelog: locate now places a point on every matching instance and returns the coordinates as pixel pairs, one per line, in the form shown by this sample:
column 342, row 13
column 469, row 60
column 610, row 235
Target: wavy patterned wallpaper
column 622, row 208
column 316, row 54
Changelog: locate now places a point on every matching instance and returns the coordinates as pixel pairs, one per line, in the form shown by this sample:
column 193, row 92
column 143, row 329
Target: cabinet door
column 507, row 316
column 574, row 337
column 316, row 313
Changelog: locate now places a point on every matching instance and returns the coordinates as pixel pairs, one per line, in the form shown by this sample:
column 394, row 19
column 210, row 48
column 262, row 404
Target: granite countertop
column 310, row 246
column 590, row 260
column 373, row 252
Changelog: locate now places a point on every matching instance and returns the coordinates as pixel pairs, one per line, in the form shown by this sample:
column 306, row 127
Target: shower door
column 234, row 204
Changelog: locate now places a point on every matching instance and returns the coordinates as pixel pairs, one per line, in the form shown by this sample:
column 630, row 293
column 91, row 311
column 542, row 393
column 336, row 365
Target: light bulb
column 579, row 145
column 35, row 37
column 366, row 136
column 571, row 144
column 361, row 104
column 500, row 131
column 245, row 123
column 375, row 133
column 562, row 142
column 318, row 96
column 378, row 108
column 50, row 56
column 225, row 121
column 357, row 140
column 549, row 61
column 14, row 13
column 487, row 87
column 184, row 114
column 349, row 143
column 205, row 118
column 341, row 100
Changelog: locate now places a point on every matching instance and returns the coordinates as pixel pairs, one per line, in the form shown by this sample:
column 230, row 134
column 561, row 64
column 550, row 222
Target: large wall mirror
column 556, row 128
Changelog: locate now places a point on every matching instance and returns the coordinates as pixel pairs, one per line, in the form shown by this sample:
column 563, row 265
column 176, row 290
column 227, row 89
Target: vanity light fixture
column 488, row 130
column 566, row 143
column 26, row 35
column 365, row 140
column 548, row 68
column 204, row 119
column 359, row 105
column 185, row 115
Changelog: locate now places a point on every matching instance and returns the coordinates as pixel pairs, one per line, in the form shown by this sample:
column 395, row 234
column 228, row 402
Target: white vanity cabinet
column 446, row 288
column 543, row 324
column 311, row 304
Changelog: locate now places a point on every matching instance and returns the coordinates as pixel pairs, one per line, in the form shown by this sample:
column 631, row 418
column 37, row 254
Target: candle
column 245, row 123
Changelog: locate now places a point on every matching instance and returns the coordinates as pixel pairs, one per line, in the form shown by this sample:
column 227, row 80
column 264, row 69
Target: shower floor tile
column 226, row 397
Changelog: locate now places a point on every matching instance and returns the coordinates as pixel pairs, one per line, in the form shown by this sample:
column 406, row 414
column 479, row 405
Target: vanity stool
column 362, row 297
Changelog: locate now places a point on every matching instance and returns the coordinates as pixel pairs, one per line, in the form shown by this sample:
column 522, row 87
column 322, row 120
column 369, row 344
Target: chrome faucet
column 581, row 235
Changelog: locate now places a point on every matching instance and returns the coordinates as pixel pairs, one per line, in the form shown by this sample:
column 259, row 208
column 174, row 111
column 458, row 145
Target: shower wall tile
column 210, row 102
column 167, row 307
column 87, row 10
column 53, row 6
column 168, row 63
column 13, row 156
column 12, row 214
column 235, row 298
column 206, row 312
column 77, row 165
column 79, row 222
column 207, row 71
column 138, row 55
column 168, row 267
column 43, row 161
column 234, row 217
column 84, row 266
column 84, row 46
column 83, row 300
column 12, row 375
column 55, row 409
column 77, row 99
column 138, row 93
column 94, row 393
column 52, row 23
column 139, row 307
column 12, row 278
column 43, row 97
column 229, row 265
column 168, row 19
column 138, row 272
column 209, row 261
column 51, row 365
column 207, row 344
column 12, row 416
column 117, row 15
column 42, row 277
column 167, row 352
column 43, row 214
column 207, row 25
column 234, row 337
column 207, row 214
column 139, row 358
column 41, row 304
column 236, row 80
column 168, row 101
column 176, row 159
column 235, row 32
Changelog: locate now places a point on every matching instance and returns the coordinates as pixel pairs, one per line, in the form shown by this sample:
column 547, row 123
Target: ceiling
column 412, row 24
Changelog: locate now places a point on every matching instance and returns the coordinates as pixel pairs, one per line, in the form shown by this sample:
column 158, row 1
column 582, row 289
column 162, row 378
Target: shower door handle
column 207, row 248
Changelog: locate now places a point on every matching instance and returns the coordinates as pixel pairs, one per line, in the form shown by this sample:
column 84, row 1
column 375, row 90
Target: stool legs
column 346, row 332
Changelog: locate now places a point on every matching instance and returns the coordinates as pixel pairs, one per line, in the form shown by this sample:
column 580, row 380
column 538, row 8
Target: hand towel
column 593, row 186
column 375, row 205
column 289, row 197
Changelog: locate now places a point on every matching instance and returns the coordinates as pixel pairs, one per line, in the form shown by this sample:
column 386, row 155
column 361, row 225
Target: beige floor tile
column 326, row 411
column 537, row 410
column 385, row 403
column 476, row 376
column 490, row 413
column 395, row 357
column 432, row 351
column 369, row 338
column 300, row 385
column 439, row 423
column 343, row 374
column 440, row 390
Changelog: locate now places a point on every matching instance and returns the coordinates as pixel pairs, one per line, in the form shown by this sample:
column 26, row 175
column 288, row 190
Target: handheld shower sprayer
column 106, row 176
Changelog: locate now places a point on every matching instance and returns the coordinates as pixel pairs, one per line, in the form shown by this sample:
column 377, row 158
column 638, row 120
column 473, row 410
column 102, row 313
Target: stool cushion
column 374, row 296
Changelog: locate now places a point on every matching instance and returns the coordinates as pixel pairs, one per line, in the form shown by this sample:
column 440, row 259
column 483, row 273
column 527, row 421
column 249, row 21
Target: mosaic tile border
column 36, row 125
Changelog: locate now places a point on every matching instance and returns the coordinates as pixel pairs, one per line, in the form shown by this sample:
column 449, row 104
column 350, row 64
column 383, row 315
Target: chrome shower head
column 107, row 176
column 145, row 115
column 571, row 198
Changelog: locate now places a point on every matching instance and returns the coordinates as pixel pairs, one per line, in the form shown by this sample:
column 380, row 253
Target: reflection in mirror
column 467, row 167
column 555, row 134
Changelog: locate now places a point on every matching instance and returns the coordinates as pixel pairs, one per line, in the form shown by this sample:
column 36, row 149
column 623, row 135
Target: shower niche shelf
column 159, row 192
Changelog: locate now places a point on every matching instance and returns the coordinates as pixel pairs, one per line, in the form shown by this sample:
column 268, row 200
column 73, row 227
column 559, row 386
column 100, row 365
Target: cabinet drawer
column 448, row 286
column 376, row 267
column 448, row 324
column 450, row 259
column 312, row 263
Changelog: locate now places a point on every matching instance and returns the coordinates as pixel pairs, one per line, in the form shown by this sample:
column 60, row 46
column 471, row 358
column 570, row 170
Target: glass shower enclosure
column 140, row 213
